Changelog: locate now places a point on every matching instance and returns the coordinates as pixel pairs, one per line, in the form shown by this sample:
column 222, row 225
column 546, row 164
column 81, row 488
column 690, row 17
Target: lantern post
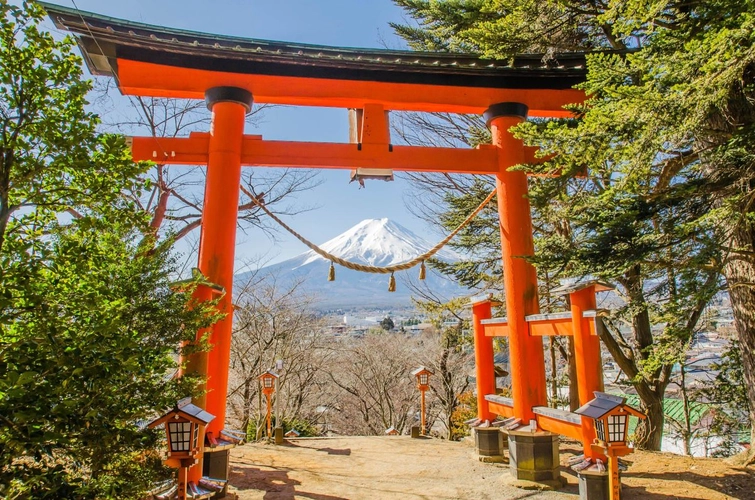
column 423, row 383
column 268, row 388
column 611, row 418
column 184, row 428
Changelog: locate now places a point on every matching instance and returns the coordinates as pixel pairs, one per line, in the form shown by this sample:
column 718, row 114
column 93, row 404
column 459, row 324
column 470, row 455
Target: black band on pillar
column 505, row 109
column 229, row 94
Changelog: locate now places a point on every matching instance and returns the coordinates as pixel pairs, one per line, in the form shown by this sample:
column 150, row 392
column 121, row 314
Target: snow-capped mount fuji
column 373, row 242
column 377, row 242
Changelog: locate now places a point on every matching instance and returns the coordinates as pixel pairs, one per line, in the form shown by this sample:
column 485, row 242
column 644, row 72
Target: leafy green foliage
column 387, row 324
column 465, row 410
column 51, row 160
column 480, row 239
column 89, row 326
column 496, row 27
column 89, row 354
column 662, row 208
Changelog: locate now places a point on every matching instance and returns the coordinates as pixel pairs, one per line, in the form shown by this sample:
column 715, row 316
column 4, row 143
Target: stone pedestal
column 278, row 433
column 490, row 444
column 415, row 431
column 533, row 456
column 593, row 485
column 216, row 465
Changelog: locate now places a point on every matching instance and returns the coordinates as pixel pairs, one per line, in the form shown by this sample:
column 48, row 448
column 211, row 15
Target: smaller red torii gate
column 582, row 324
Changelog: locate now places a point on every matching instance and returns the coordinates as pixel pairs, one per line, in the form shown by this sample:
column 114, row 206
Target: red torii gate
column 230, row 73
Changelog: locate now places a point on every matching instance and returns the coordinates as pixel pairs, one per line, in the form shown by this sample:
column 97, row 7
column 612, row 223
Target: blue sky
column 327, row 22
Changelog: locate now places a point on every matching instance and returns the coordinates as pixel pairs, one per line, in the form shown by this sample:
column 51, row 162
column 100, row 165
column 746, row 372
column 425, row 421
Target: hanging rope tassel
column 332, row 272
column 422, row 271
column 392, row 284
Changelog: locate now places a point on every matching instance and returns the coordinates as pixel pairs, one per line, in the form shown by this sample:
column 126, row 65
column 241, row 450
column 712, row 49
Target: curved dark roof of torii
column 104, row 39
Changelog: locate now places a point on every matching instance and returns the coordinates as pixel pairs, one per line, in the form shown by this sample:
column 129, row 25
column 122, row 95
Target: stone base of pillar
column 278, row 433
column 490, row 444
column 533, row 456
column 217, row 464
column 593, row 485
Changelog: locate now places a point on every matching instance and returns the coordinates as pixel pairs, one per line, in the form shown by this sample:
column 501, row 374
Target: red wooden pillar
column 217, row 244
column 587, row 359
column 183, row 481
column 520, row 280
column 483, row 357
column 195, row 363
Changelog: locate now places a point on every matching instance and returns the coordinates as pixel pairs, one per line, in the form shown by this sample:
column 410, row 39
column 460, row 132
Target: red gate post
column 587, row 359
column 520, row 279
column 483, row 356
column 533, row 456
column 217, row 244
column 490, row 443
column 196, row 363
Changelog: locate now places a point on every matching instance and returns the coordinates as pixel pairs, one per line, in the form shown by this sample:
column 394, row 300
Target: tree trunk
column 567, row 353
column 739, row 270
column 448, row 395
column 687, row 424
column 739, row 264
column 650, row 431
column 6, row 163
column 247, row 409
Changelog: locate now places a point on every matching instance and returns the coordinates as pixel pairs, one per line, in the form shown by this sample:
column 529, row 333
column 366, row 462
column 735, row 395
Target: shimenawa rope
column 375, row 269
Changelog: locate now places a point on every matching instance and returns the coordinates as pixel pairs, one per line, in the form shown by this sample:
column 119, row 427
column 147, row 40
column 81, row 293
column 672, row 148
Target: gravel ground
column 399, row 467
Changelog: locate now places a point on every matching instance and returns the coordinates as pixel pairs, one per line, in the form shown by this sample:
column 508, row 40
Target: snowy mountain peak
column 377, row 242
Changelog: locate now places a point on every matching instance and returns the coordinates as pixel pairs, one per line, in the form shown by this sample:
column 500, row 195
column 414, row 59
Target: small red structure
column 268, row 380
column 293, row 433
column 423, row 384
column 184, row 428
column 582, row 323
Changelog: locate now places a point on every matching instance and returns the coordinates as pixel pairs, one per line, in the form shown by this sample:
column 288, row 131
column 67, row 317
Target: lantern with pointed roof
column 268, row 387
column 268, row 381
column 423, row 384
column 423, row 378
column 611, row 415
column 184, row 428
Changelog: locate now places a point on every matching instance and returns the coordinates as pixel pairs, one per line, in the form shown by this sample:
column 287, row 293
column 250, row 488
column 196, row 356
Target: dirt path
column 656, row 476
column 403, row 468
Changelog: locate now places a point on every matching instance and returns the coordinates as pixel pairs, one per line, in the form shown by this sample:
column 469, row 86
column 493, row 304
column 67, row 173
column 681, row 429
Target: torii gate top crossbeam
column 163, row 62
